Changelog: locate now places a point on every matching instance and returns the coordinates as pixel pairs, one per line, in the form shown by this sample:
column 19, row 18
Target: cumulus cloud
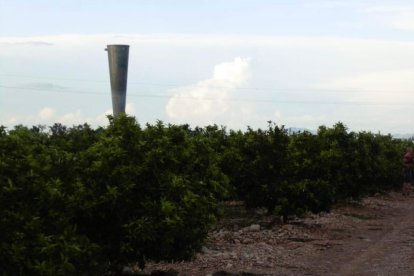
column 46, row 113
column 129, row 109
column 207, row 100
column 73, row 118
column 78, row 117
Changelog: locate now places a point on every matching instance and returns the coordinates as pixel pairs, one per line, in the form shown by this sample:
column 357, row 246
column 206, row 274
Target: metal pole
column 118, row 72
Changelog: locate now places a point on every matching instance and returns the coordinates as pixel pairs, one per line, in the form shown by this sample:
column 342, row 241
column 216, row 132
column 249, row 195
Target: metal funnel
column 118, row 72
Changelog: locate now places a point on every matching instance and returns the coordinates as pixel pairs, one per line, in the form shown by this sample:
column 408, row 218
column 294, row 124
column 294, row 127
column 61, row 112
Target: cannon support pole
column 118, row 72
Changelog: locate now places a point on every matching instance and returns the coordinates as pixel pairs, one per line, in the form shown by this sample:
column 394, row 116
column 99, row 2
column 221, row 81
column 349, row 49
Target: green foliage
column 83, row 201
column 256, row 165
column 36, row 233
column 75, row 200
column 293, row 174
column 148, row 188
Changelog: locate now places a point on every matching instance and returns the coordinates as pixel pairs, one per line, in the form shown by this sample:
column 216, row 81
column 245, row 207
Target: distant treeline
column 77, row 200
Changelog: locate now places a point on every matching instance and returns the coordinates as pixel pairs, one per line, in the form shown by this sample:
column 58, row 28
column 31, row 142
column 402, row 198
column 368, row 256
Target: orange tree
column 73, row 200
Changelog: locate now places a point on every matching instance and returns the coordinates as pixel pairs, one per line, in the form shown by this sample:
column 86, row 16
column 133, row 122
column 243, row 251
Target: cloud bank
column 282, row 73
column 48, row 116
column 208, row 100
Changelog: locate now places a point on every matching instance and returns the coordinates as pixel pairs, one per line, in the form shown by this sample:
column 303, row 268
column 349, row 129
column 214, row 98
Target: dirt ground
column 371, row 237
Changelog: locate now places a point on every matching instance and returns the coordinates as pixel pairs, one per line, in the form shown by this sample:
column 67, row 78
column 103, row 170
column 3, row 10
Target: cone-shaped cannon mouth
column 118, row 73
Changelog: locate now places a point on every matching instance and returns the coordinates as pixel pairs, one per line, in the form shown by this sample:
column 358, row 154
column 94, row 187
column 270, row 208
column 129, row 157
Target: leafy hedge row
column 79, row 200
column 291, row 174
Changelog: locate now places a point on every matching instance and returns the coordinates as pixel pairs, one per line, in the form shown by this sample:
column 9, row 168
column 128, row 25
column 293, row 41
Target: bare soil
column 372, row 237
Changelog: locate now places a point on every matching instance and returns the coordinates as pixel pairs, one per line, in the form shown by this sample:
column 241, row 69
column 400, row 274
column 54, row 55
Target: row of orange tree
column 90, row 201
column 294, row 173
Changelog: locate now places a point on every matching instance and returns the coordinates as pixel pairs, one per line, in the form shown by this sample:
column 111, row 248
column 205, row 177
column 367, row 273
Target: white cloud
column 72, row 118
column 102, row 119
column 49, row 116
column 67, row 42
column 387, row 87
column 399, row 17
column 386, row 9
column 305, row 120
column 290, row 65
column 207, row 100
column 403, row 21
column 26, row 43
column 46, row 113
column 129, row 109
column 43, row 86
column 331, row 4
column 230, row 74
column 77, row 117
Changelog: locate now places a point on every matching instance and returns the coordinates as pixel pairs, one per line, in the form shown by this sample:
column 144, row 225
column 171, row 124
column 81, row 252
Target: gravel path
column 373, row 237
column 381, row 246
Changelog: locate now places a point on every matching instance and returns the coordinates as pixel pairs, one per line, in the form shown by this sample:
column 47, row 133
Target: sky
column 234, row 63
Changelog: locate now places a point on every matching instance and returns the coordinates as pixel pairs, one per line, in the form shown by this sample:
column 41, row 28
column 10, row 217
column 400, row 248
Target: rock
column 247, row 241
column 254, row 228
column 251, row 228
column 127, row 270
column 205, row 250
